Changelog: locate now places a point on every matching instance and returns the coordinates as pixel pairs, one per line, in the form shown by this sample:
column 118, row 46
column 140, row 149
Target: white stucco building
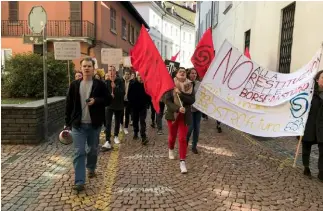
column 169, row 31
column 282, row 36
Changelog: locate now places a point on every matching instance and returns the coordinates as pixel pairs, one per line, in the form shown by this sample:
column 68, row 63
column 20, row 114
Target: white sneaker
column 171, row 154
column 183, row 167
column 116, row 140
column 107, row 145
column 125, row 130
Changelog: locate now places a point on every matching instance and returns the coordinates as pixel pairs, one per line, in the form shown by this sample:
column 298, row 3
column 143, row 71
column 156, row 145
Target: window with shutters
column 113, row 18
column 76, row 18
column 129, row 31
column 76, row 10
column 247, row 39
column 132, row 34
column 13, row 11
column 286, row 40
column 124, row 29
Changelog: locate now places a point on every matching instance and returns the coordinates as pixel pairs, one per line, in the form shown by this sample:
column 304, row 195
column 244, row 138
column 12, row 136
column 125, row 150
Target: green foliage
column 24, row 76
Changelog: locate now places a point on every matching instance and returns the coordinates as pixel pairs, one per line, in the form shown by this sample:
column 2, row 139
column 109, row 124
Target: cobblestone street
column 231, row 172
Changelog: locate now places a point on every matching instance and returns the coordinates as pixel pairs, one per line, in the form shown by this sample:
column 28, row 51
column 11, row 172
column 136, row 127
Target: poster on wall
column 67, row 50
column 111, row 56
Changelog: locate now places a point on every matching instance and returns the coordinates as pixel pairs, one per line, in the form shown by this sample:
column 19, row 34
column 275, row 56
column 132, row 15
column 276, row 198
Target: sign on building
column 127, row 61
column 111, row 56
column 67, row 50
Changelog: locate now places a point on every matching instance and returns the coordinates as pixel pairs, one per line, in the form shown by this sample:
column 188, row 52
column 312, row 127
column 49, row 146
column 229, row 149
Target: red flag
column 174, row 57
column 204, row 53
column 246, row 53
column 146, row 59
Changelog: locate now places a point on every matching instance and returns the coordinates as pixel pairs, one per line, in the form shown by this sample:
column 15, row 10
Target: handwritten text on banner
column 239, row 76
column 287, row 119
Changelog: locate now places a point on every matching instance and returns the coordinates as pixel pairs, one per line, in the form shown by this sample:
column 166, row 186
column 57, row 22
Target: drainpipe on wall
column 95, row 20
column 180, row 36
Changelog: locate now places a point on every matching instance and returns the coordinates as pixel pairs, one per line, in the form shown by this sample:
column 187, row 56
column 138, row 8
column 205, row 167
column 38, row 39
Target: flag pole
column 297, row 150
column 180, row 102
column 301, row 137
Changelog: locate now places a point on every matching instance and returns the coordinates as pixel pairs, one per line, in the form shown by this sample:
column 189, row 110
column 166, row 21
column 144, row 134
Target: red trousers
column 172, row 133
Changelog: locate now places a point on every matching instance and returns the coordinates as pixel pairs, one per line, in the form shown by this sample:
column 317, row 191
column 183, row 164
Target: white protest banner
column 67, row 50
column 287, row 119
column 111, row 56
column 127, row 61
column 239, row 76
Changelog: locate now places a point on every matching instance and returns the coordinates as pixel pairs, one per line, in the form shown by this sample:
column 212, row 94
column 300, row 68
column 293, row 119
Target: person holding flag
column 178, row 115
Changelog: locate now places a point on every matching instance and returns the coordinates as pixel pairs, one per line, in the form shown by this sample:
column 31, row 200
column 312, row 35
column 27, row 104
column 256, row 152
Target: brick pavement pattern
column 231, row 172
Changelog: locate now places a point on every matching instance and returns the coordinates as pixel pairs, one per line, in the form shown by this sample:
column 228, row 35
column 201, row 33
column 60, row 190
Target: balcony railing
column 55, row 28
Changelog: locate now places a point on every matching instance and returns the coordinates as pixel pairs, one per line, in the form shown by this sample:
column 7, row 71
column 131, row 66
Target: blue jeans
column 195, row 128
column 85, row 134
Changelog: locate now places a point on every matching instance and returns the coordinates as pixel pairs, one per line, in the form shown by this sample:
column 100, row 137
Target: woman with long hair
column 196, row 114
column 313, row 133
column 178, row 114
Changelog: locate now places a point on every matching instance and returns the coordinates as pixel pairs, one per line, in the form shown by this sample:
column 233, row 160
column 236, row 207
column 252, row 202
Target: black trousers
column 158, row 118
column 126, row 113
column 108, row 118
column 153, row 113
column 306, row 154
column 139, row 116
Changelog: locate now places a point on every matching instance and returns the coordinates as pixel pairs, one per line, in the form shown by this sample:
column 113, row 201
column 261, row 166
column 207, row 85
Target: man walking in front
column 85, row 103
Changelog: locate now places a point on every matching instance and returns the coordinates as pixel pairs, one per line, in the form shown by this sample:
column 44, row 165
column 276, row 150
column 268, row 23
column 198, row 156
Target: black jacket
column 314, row 125
column 73, row 111
column 137, row 96
column 117, row 103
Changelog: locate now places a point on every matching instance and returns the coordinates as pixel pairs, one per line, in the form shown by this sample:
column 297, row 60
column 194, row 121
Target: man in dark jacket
column 116, row 90
column 85, row 103
column 139, row 101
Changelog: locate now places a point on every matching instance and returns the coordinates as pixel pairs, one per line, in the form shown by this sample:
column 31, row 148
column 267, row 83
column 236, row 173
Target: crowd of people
column 93, row 101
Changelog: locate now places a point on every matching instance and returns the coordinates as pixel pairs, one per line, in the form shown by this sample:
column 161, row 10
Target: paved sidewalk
column 232, row 172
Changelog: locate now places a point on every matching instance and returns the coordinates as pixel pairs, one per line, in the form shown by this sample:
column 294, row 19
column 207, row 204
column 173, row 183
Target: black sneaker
column 135, row 137
column 91, row 174
column 320, row 176
column 78, row 187
column 219, row 129
column 153, row 125
column 307, row 171
column 194, row 150
column 160, row 132
column 144, row 140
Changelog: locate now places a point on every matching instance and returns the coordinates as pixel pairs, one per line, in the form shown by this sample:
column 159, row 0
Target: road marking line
column 104, row 196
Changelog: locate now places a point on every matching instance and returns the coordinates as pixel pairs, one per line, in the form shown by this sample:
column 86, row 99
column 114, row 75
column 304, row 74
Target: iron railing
column 55, row 28
column 286, row 40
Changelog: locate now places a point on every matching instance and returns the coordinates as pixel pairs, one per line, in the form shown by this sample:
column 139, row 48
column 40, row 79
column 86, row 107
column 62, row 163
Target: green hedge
column 24, row 76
